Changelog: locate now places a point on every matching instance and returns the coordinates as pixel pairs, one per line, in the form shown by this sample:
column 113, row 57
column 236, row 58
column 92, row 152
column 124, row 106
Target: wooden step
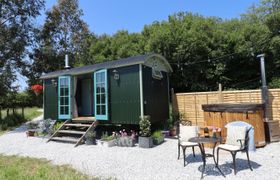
column 71, row 132
column 90, row 119
column 65, row 139
column 77, row 125
column 64, row 130
column 81, row 121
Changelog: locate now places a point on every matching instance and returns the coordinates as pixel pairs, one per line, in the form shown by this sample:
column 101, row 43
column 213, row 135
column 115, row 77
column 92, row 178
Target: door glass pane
column 61, row 92
column 66, row 91
column 61, row 110
column 103, row 109
column 66, row 110
column 61, row 100
column 98, row 88
column 66, row 101
column 102, row 87
column 103, row 76
column 98, row 78
column 98, row 99
column 98, row 109
column 103, row 99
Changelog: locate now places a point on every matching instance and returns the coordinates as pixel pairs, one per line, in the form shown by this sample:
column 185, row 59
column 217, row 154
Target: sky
column 109, row 16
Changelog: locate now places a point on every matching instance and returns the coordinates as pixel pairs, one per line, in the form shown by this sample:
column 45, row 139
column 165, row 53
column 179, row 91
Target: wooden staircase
column 74, row 130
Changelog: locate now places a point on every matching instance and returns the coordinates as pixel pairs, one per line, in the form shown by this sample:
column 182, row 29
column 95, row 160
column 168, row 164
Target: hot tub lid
column 230, row 107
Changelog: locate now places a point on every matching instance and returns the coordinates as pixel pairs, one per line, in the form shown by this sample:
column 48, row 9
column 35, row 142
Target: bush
column 158, row 137
column 3, row 127
column 12, row 120
column 274, row 83
column 90, row 135
column 157, row 134
column 106, row 137
column 145, row 126
column 57, row 125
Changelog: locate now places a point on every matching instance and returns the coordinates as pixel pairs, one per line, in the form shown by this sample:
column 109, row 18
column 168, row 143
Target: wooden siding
column 124, row 95
column 255, row 118
column 189, row 104
column 155, row 96
column 50, row 100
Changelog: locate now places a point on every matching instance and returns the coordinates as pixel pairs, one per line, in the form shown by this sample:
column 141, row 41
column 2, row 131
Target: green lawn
column 14, row 167
column 29, row 112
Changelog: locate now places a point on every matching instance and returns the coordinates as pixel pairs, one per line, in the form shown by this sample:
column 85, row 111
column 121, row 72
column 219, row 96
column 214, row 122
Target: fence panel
column 189, row 104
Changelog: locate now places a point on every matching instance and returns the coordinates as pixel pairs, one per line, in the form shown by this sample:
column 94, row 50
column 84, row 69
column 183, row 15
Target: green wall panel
column 124, row 95
column 50, row 100
column 155, row 95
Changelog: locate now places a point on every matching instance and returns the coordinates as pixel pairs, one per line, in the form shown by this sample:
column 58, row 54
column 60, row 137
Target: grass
column 29, row 112
column 14, row 167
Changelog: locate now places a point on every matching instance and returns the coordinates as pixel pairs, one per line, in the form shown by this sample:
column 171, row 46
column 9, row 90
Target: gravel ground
column 136, row 163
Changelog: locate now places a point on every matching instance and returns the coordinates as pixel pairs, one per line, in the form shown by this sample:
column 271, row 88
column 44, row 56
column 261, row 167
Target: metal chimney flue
column 66, row 62
column 265, row 100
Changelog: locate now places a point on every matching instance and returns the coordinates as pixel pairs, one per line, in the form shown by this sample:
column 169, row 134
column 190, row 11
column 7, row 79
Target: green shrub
column 145, row 126
column 106, row 137
column 3, row 127
column 90, row 135
column 158, row 137
column 157, row 134
column 57, row 125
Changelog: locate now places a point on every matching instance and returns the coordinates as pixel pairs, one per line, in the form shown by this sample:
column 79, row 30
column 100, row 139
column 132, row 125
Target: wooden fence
column 189, row 104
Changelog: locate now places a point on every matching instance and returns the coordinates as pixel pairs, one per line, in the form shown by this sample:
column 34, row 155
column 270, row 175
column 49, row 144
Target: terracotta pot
column 172, row 132
column 30, row 133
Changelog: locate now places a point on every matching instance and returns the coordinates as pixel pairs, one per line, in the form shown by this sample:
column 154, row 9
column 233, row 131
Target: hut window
column 156, row 73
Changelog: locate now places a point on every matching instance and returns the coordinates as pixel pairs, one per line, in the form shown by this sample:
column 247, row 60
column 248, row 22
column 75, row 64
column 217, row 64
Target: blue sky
column 109, row 16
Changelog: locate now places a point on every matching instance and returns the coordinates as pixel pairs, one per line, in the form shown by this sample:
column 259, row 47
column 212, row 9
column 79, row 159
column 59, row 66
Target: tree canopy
column 16, row 35
column 203, row 51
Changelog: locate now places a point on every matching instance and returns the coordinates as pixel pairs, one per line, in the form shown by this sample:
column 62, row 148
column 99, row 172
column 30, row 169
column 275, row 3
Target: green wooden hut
column 113, row 92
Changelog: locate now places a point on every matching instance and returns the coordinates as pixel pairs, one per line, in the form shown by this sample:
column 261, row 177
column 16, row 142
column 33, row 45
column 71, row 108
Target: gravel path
column 136, row 163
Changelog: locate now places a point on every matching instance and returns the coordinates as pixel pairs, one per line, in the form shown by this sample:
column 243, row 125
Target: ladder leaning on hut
column 74, row 130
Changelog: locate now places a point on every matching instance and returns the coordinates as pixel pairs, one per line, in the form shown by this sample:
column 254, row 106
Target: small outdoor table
column 201, row 141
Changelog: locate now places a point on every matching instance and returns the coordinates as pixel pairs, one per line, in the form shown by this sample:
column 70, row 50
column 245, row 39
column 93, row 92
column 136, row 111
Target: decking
column 74, row 130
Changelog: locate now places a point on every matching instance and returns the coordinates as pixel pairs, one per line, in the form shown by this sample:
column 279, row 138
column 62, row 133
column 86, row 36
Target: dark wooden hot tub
column 220, row 114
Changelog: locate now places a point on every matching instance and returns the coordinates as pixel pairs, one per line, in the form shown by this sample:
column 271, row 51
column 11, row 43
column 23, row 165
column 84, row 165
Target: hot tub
column 220, row 114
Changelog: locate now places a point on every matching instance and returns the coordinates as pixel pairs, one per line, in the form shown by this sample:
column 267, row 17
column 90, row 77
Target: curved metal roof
column 141, row 59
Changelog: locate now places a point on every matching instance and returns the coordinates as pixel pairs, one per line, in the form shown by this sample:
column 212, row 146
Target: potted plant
column 176, row 118
column 90, row 138
column 158, row 137
column 145, row 139
column 31, row 129
column 107, row 141
column 125, row 140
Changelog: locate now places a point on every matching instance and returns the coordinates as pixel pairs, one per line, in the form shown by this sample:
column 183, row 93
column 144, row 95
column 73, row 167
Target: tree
column 64, row 32
column 122, row 44
column 16, row 35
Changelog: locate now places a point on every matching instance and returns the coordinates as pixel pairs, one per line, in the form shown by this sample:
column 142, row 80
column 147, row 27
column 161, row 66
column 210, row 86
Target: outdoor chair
column 185, row 133
column 236, row 141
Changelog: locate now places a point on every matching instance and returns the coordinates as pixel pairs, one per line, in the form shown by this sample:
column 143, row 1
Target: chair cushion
column 187, row 132
column 229, row 147
column 234, row 133
column 187, row 143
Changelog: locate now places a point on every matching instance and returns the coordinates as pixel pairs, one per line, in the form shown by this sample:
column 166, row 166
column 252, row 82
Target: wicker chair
column 185, row 133
column 237, row 141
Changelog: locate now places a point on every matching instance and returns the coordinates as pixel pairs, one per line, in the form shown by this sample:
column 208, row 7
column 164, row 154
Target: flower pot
column 158, row 140
column 90, row 141
column 30, row 133
column 125, row 142
column 145, row 142
column 107, row 143
column 172, row 132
